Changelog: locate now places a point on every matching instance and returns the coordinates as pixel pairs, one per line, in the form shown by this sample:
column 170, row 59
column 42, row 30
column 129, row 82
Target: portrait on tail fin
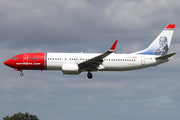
column 163, row 49
column 160, row 46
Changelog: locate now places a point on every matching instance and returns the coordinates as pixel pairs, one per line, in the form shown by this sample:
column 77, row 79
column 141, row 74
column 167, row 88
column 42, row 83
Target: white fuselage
column 113, row 62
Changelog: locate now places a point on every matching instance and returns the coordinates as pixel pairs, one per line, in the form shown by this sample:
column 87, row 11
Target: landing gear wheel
column 21, row 74
column 89, row 75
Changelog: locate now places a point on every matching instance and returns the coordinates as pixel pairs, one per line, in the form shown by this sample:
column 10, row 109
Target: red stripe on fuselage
column 28, row 61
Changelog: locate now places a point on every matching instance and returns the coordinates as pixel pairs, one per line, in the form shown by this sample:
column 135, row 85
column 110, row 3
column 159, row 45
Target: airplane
column 75, row 63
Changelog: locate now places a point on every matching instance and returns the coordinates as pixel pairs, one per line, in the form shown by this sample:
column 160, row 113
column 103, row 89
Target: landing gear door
column 142, row 60
column 25, row 58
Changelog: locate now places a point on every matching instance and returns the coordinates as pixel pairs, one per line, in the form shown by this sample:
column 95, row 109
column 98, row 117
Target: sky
column 89, row 26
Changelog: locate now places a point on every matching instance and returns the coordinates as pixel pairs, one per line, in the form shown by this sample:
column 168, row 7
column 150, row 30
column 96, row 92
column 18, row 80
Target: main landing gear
column 89, row 75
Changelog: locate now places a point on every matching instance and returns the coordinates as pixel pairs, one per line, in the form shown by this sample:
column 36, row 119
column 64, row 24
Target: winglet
column 113, row 46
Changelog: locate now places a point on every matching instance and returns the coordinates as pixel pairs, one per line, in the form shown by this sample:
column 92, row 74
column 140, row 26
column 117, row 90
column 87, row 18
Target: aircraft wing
column 93, row 63
column 166, row 56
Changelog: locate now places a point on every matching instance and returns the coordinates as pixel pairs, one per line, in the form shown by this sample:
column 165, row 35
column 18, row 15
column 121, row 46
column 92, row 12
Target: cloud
column 88, row 26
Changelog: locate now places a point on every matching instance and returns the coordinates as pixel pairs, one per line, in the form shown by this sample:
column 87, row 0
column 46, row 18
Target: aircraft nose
column 7, row 62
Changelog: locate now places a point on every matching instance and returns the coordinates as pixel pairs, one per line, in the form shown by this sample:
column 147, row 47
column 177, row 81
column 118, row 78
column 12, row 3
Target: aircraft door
column 25, row 58
column 142, row 60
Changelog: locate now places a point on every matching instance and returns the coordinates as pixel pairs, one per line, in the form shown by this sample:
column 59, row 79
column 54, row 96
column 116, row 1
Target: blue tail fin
column 161, row 44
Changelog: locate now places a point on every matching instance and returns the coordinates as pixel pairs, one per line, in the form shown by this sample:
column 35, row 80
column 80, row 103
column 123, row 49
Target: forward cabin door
column 25, row 58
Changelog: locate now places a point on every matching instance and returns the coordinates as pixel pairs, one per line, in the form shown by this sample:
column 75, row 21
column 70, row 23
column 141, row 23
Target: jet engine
column 71, row 69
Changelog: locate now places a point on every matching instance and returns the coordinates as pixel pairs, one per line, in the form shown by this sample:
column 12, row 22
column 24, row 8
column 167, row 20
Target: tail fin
column 161, row 44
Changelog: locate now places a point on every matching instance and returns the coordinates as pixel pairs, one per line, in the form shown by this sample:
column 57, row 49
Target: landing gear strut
column 89, row 75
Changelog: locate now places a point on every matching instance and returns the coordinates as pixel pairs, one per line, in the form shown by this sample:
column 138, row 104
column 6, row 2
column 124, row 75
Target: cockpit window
column 14, row 58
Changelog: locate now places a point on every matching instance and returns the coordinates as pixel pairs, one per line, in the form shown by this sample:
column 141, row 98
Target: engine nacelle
column 71, row 69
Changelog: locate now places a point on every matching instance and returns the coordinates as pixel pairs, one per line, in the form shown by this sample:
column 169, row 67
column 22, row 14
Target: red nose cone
column 7, row 62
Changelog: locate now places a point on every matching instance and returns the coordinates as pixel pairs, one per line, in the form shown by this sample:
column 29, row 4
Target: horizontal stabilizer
column 166, row 56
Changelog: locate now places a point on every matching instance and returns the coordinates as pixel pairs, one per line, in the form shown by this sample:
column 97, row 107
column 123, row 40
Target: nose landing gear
column 21, row 74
